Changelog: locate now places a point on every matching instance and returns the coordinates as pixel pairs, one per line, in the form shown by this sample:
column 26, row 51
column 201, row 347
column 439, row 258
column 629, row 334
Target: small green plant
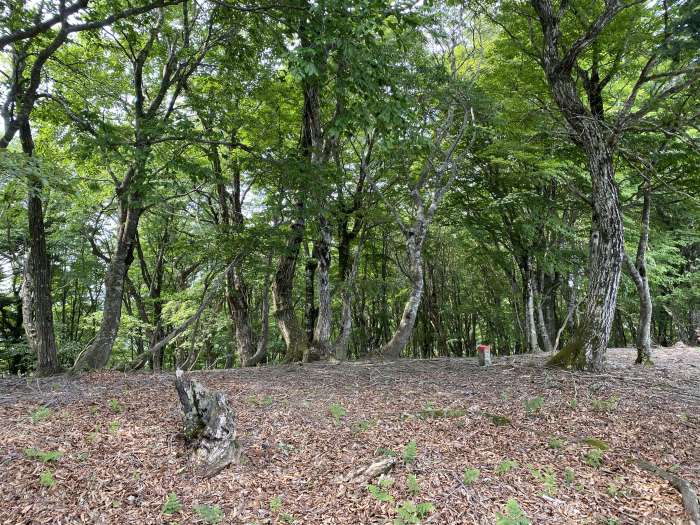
column 114, row 427
column 172, row 504
column 569, row 476
column 573, row 403
column 409, row 513
column 597, row 443
column 594, row 458
column 287, row 517
column 555, row 443
column 547, row 478
column 386, row 452
column 363, row 425
column 498, row 420
column 534, row 405
column 612, row 521
column 258, row 402
column 470, row 475
column 40, row 414
column 209, row 514
column 430, row 412
column 612, row 490
column 46, row 479
column 276, row 504
column 380, row 490
column 45, row 457
column 412, row 485
column 512, row 515
column 115, row 406
column 410, row 452
column 337, row 411
column 605, row 405
column 506, row 466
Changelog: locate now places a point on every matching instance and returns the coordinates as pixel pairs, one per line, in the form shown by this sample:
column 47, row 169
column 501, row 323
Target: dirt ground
column 121, row 454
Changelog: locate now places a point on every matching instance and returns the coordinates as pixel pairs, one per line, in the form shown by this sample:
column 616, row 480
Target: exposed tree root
column 690, row 497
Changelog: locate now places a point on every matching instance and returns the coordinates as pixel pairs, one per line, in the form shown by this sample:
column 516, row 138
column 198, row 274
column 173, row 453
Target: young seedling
column 115, row 406
column 594, row 458
column 555, row 443
column 470, row 475
column 46, row 479
column 512, row 515
column 172, row 504
column 409, row 513
column 337, row 411
column 533, row 405
column 412, row 485
column 410, row 452
column 506, row 466
column 380, row 490
column 40, row 414
column 209, row 514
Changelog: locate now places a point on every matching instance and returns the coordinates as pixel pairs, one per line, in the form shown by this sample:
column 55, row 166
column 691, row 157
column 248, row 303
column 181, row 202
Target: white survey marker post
column 484, row 353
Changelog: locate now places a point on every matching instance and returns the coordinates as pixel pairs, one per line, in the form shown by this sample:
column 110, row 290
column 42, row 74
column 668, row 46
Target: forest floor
column 532, row 433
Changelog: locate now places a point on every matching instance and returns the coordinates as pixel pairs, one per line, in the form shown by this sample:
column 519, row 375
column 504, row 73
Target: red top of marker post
column 483, row 348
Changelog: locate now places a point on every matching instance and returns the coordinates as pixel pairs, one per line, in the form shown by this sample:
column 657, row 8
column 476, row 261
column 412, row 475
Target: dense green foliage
column 209, row 145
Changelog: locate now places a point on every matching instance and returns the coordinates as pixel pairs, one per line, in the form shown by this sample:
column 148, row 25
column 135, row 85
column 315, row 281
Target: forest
column 396, row 225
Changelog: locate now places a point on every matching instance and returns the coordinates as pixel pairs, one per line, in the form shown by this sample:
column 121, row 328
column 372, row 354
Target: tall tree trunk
column 282, row 290
column 98, row 353
column 539, row 308
column 322, row 329
column 591, row 133
column 237, row 299
column 402, row 335
column 530, row 324
column 638, row 272
column 310, row 310
column 588, row 347
column 36, row 290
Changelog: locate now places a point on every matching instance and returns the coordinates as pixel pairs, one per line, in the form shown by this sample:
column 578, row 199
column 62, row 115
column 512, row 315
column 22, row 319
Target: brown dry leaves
column 120, row 462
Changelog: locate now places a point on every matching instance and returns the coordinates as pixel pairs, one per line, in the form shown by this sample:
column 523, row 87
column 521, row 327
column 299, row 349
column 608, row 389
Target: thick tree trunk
column 590, row 131
column 37, row 304
column 588, row 347
column 98, row 353
column 282, row 288
column 402, row 335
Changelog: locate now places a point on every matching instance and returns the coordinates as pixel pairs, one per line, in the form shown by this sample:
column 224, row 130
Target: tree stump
column 209, row 426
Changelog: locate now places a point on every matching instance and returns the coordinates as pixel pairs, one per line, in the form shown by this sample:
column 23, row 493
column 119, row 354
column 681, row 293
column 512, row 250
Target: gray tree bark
column 638, row 272
column 588, row 347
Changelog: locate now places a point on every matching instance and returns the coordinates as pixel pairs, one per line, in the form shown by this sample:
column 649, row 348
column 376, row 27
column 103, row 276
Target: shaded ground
column 120, row 459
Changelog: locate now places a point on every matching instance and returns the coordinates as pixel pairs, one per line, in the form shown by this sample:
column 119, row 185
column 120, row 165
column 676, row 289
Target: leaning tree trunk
column 402, row 335
column 587, row 348
column 98, row 353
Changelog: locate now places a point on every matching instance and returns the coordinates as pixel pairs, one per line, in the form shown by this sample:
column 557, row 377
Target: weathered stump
column 209, row 426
